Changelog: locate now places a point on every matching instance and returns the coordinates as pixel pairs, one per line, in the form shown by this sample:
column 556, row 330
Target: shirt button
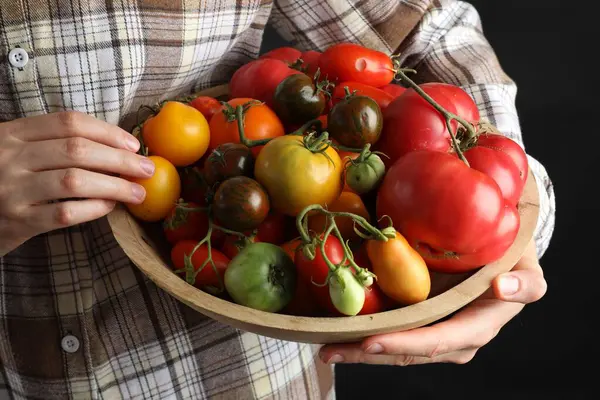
column 70, row 344
column 18, row 57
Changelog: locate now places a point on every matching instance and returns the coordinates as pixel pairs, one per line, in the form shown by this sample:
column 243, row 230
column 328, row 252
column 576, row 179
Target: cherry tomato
column 355, row 121
column 240, row 204
column 193, row 185
column 210, row 278
column 303, row 303
column 310, row 63
column 178, row 133
column 163, row 190
column 352, row 62
column 259, row 78
column 186, row 221
column 298, row 99
column 260, row 122
column 393, row 89
column 207, row 105
column 226, row 161
column 291, row 246
column 345, row 156
column 273, row 228
column 347, row 202
column 375, row 300
column 233, row 244
column 401, row 272
column 381, row 97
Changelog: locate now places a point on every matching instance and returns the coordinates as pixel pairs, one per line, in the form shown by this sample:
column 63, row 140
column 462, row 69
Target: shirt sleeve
column 443, row 40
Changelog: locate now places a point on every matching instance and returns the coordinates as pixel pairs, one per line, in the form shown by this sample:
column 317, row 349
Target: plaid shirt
column 78, row 319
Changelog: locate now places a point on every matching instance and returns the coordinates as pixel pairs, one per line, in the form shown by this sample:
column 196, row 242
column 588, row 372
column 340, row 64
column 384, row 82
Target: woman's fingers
column 80, row 183
column 78, row 152
column 68, row 124
column 48, row 217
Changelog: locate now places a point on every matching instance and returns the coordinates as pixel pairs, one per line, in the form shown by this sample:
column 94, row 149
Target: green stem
column 447, row 115
column 239, row 115
column 229, row 231
column 344, row 148
column 300, row 131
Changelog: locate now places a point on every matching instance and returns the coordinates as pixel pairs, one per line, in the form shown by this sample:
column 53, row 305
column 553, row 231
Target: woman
column 78, row 319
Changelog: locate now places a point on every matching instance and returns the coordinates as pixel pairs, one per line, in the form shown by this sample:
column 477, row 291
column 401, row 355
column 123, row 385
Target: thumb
column 524, row 284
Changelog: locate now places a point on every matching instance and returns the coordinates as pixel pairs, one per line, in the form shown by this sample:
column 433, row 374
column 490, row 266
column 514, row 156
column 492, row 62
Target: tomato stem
column 317, row 123
column 445, row 113
column 239, row 116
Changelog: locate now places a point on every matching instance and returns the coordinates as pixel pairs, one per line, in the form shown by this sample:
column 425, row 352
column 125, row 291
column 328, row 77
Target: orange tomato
column 179, row 133
column 163, row 190
column 345, row 155
column 291, row 246
column 402, row 273
column 347, row 202
column 260, row 122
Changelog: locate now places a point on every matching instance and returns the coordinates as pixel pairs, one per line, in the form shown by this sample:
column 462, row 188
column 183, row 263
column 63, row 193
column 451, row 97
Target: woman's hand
column 457, row 339
column 66, row 155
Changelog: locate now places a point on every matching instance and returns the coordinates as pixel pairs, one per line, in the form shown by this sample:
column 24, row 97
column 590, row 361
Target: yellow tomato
column 179, row 133
column 163, row 190
column 296, row 177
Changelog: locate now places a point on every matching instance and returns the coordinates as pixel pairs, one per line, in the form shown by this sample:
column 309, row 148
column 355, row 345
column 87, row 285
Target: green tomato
column 261, row 276
column 347, row 294
column 364, row 175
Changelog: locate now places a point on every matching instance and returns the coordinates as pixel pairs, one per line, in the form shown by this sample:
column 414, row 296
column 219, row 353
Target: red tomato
column 208, row 106
column 303, row 303
column 382, row 98
column 273, row 228
column 258, row 79
column 411, row 123
column 233, row 244
column 352, row 62
column 393, row 89
column 310, row 63
column 503, row 160
column 286, row 54
column 210, row 278
column 182, row 224
column 317, row 270
column 447, row 211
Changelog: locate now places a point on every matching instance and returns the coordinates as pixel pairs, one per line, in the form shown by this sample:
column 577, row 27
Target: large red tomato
column 259, row 78
column 353, row 62
column 451, row 214
column 411, row 123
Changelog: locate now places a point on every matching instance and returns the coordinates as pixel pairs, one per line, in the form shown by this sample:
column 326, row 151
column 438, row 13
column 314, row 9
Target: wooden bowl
column 142, row 244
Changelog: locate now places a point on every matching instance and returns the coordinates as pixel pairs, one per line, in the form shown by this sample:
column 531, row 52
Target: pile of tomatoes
column 323, row 188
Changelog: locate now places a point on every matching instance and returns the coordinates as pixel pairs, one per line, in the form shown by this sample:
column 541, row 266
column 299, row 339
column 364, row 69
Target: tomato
column 296, row 175
column 298, row 99
column 353, row 62
column 185, row 223
column 347, row 294
column 381, row 97
column 207, row 105
column 260, row 122
column 401, row 272
column 310, row 62
column 285, row 54
column 503, row 160
column 347, row 202
column 448, row 212
column 375, row 300
column 365, row 173
column 345, row 156
column 261, row 276
column 226, row 161
column 323, row 119
column 291, row 246
column 163, row 190
column 179, row 133
column 411, row 123
column 193, row 185
column 273, row 228
column 233, row 244
column 259, row 78
column 355, row 121
column 303, row 302
column 393, row 89
column 210, row 278
column 240, row 204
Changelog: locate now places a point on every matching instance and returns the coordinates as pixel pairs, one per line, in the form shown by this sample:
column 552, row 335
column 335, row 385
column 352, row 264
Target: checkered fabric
column 108, row 57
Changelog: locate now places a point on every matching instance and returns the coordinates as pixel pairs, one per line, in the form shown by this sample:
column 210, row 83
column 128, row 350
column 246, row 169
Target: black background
column 549, row 350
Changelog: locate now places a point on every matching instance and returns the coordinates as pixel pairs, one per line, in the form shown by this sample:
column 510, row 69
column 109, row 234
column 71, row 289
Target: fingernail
column 132, row 143
column 375, row 348
column 508, row 285
column 336, row 358
column 148, row 166
column 138, row 191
